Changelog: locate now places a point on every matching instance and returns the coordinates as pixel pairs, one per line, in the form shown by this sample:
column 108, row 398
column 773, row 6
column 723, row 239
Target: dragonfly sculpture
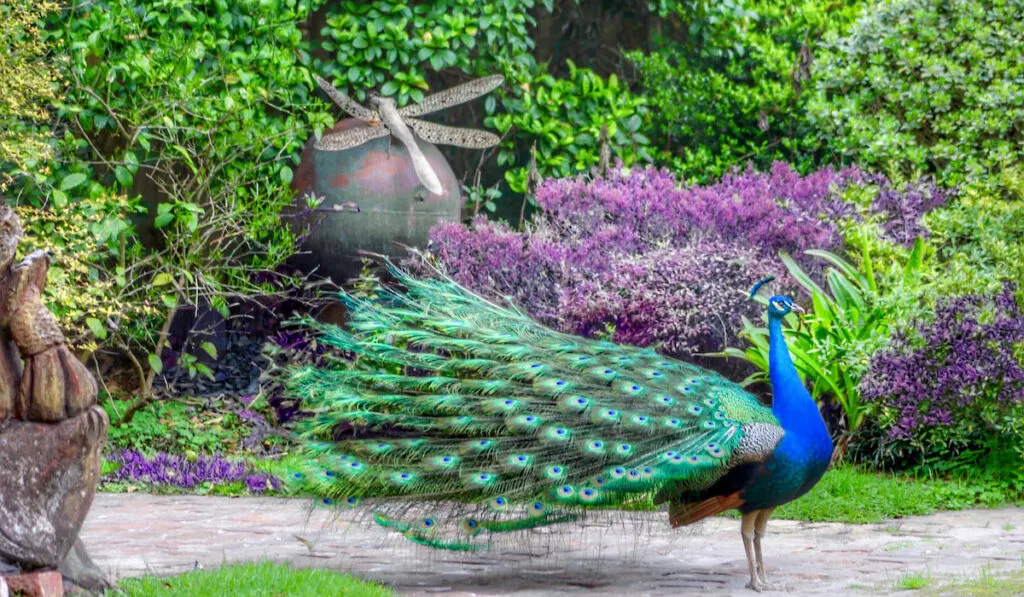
column 384, row 118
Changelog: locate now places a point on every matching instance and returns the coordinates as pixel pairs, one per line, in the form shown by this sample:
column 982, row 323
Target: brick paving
column 134, row 534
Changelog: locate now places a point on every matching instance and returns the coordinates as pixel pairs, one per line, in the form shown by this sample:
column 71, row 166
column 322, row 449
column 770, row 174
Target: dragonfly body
column 391, row 118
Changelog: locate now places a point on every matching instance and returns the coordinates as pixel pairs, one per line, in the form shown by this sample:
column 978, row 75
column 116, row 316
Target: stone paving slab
column 135, row 534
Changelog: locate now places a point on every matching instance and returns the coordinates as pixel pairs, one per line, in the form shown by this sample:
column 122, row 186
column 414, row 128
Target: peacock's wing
column 516, row 423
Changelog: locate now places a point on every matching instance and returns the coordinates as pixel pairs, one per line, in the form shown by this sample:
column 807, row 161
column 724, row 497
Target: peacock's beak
column 797, row 308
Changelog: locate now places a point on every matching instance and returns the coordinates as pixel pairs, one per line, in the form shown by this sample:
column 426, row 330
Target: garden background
column 869, row 153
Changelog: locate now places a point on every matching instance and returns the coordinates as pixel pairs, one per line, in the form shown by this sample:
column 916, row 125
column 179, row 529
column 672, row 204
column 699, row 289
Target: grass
column 846, row 494
column 261, row 579
column 986, row 584
column 913, row 581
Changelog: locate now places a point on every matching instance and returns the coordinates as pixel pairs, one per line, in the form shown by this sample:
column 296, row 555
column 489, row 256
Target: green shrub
column 563, row 119
column 176, row 141
column 392, row 45
column 81, row 289
column 981, row 241
column 737, row 95
column 927, row 86
column 30, row 82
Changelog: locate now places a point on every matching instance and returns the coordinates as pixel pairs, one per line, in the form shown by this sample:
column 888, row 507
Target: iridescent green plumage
column 501, row 424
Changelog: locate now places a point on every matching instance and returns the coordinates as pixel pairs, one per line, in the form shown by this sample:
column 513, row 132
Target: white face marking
column 779, row 305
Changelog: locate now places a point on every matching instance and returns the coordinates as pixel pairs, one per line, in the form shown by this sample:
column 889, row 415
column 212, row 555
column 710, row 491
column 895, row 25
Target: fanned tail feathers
column 500, row 423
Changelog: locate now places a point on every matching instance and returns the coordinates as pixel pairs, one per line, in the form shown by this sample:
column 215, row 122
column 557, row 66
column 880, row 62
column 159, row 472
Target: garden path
column 133, row 534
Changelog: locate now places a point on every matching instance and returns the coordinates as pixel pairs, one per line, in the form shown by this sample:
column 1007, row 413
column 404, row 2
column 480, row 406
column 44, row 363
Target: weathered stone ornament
column 51, row 430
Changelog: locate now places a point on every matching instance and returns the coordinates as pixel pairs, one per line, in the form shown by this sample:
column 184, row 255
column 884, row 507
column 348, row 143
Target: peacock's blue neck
column 791, row 402
column 802, row 456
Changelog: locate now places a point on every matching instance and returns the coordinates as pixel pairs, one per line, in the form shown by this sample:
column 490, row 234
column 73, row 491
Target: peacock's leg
column 760, row 525
column 747, row 531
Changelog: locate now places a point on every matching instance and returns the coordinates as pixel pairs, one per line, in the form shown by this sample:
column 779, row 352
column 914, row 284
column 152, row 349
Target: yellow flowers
column 30, row 77
column 78, row 289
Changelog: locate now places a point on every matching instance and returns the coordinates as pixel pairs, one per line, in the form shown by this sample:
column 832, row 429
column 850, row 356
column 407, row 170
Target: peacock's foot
column 760, row 585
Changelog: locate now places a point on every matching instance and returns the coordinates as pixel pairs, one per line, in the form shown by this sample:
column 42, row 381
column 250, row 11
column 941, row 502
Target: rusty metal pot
column 394, row 209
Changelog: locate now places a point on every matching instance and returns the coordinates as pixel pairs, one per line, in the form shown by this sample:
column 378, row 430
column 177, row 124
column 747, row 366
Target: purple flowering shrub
column 901, row 210
column 650, row 260
column 955, row 385
column 168, row 470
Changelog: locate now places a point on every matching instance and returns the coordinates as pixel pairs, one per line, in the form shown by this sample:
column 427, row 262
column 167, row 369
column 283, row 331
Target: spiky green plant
column 846, row 323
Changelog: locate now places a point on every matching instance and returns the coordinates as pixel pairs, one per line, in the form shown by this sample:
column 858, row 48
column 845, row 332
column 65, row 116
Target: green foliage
column 831, row 344
column 715, row 28
column 177, row 427
column 927, row 85
column 30, row 82
column 251, row 580
column 392, row 45
column 980, row 239
column 176, row 141
column 563, row 118
column 734, row 91
column 985, row 448
column 80, row 289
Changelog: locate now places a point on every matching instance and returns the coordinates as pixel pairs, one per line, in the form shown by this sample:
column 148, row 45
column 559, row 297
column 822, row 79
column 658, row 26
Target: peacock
column 459, row 419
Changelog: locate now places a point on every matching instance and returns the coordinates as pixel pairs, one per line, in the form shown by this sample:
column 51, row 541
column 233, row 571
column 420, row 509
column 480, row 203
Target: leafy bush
column 29, row 73
column 649, row 261
column 391, row 45
column 953, row 389
column 927, row 85
column 733, row 91
column 981, row 240
column 193, row 116
column 563, row 119
column 81, row 289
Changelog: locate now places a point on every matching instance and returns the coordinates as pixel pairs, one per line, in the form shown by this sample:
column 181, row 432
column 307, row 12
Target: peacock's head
column 780, row 306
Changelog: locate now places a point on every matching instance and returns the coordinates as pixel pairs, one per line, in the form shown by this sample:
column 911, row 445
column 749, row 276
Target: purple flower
column 658, row 262
column 952, row 366
column 178, row 471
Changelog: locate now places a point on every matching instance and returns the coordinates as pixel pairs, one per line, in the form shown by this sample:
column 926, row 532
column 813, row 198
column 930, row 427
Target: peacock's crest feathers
column 519, row 424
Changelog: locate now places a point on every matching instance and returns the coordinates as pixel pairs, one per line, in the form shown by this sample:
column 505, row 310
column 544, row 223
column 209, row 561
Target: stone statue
column 51, row 429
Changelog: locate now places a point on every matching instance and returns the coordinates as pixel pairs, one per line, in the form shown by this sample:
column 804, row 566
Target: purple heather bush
column 179, row 471
column 935, row 385
column 656, row 262
column 901, row 209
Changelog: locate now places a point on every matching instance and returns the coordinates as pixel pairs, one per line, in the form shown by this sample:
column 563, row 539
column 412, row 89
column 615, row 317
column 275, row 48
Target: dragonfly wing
column 344, row 102
column 454, row 96
column 350, row 138
column 450, row 135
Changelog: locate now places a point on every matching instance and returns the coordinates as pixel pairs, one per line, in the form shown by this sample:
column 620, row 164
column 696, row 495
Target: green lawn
column 262, row 579
column 847, row 494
